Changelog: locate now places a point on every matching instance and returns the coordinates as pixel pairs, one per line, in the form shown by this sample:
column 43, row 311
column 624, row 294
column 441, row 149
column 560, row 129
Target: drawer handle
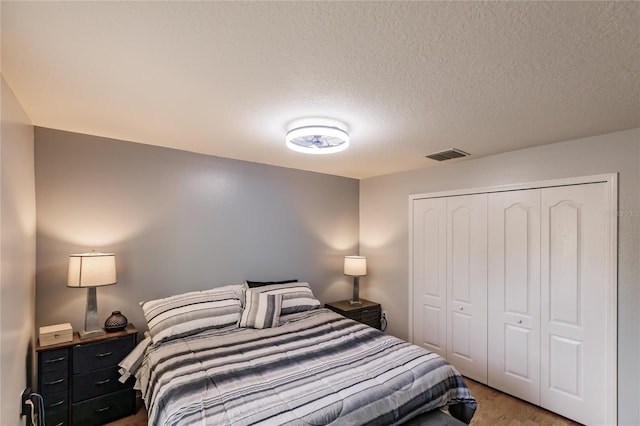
column 55, row 382
column 103, row 354
column 60, row 424
column 102, row 382
column 57, row 404
column 51, row 361
column 102, row 410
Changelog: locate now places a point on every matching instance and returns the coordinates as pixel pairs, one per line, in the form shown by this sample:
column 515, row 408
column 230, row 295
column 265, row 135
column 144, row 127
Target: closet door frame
column 611, row 303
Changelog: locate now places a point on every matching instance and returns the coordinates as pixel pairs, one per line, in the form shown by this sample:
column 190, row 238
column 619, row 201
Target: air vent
column 447, row 155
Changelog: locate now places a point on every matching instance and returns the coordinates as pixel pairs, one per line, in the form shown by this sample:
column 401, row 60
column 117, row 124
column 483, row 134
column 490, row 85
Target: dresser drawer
column 96, row 383
column 94, row 356
column 104, row 409
column 57, row 419
column 53, row 382
column 56, row 407
column 54, row 360
column 56, row 401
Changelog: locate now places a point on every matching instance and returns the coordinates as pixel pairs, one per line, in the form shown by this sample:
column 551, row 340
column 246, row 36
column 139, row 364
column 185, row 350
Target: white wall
column 17, row 254
column 384, row 229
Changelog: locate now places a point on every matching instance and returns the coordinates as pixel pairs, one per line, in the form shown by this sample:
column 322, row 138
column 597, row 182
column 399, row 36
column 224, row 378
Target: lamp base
column 84, row 334
column 356, row 293
column 91, row 326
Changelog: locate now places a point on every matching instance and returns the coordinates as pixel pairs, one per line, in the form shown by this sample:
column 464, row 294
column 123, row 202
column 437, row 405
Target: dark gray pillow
column 253, row 284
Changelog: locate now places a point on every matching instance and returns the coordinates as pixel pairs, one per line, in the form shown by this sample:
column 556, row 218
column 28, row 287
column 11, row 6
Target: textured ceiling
column 409, row 78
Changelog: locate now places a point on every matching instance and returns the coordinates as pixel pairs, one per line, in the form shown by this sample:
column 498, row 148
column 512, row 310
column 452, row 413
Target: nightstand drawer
column 371, row 319
column 96, row 383
column 54, row 382
column 94, row 356
column 57, row 359
column 367, row 312
column 104, row 409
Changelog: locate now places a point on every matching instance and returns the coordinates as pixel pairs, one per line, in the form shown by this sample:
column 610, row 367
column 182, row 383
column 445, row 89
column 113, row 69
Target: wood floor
column 499, row 409
column 494, row 409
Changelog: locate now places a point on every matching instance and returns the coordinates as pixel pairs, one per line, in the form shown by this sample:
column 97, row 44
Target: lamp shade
column 91, row 270
column 355, row 266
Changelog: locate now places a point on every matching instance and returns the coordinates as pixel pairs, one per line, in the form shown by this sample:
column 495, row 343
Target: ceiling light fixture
column 317, row 139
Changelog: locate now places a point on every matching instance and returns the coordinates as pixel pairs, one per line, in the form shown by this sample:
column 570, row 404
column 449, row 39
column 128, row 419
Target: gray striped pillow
column 189, row 313
column 261, row 310
column 296, row 297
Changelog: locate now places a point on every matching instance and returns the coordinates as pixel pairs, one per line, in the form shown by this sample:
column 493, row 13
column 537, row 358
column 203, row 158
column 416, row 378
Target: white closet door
column 574, row 273
column 467, row 285
column 514, row 293
column 429, row 274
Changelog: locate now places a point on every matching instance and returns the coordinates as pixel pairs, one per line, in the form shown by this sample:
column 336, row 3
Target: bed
column 310, row 366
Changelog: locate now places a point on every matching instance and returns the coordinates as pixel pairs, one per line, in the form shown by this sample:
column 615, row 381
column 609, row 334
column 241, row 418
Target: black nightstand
column 368, row 313
column 79, row 379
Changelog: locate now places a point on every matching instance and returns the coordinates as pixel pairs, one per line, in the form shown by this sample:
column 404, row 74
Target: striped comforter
column 316, row 368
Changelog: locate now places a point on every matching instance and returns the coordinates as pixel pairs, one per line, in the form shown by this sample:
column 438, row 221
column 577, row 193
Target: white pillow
column 261, row 310
column 296, row 297
column 190, row 313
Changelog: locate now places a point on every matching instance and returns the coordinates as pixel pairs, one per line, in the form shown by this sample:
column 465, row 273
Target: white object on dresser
column 54, row 334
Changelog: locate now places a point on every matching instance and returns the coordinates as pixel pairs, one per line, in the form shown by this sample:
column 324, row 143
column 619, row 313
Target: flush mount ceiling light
column 317, row 139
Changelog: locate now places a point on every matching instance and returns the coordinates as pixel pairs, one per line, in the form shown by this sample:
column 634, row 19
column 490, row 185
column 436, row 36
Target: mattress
column 316, row 368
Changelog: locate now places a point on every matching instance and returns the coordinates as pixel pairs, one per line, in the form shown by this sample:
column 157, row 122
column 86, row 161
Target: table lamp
column 355, row 266
column 91, row 270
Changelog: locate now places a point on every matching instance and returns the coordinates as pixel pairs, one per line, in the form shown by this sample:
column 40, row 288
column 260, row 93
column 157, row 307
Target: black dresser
column 79, row 379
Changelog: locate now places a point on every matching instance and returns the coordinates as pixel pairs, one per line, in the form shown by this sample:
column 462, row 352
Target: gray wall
column 180, row 221
column 384, row 229
column 17, row 254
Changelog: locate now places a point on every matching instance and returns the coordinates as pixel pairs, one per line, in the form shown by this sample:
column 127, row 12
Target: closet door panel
column 514, row 293
column 467, row 285
column 574, row 295
column 429, row 274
